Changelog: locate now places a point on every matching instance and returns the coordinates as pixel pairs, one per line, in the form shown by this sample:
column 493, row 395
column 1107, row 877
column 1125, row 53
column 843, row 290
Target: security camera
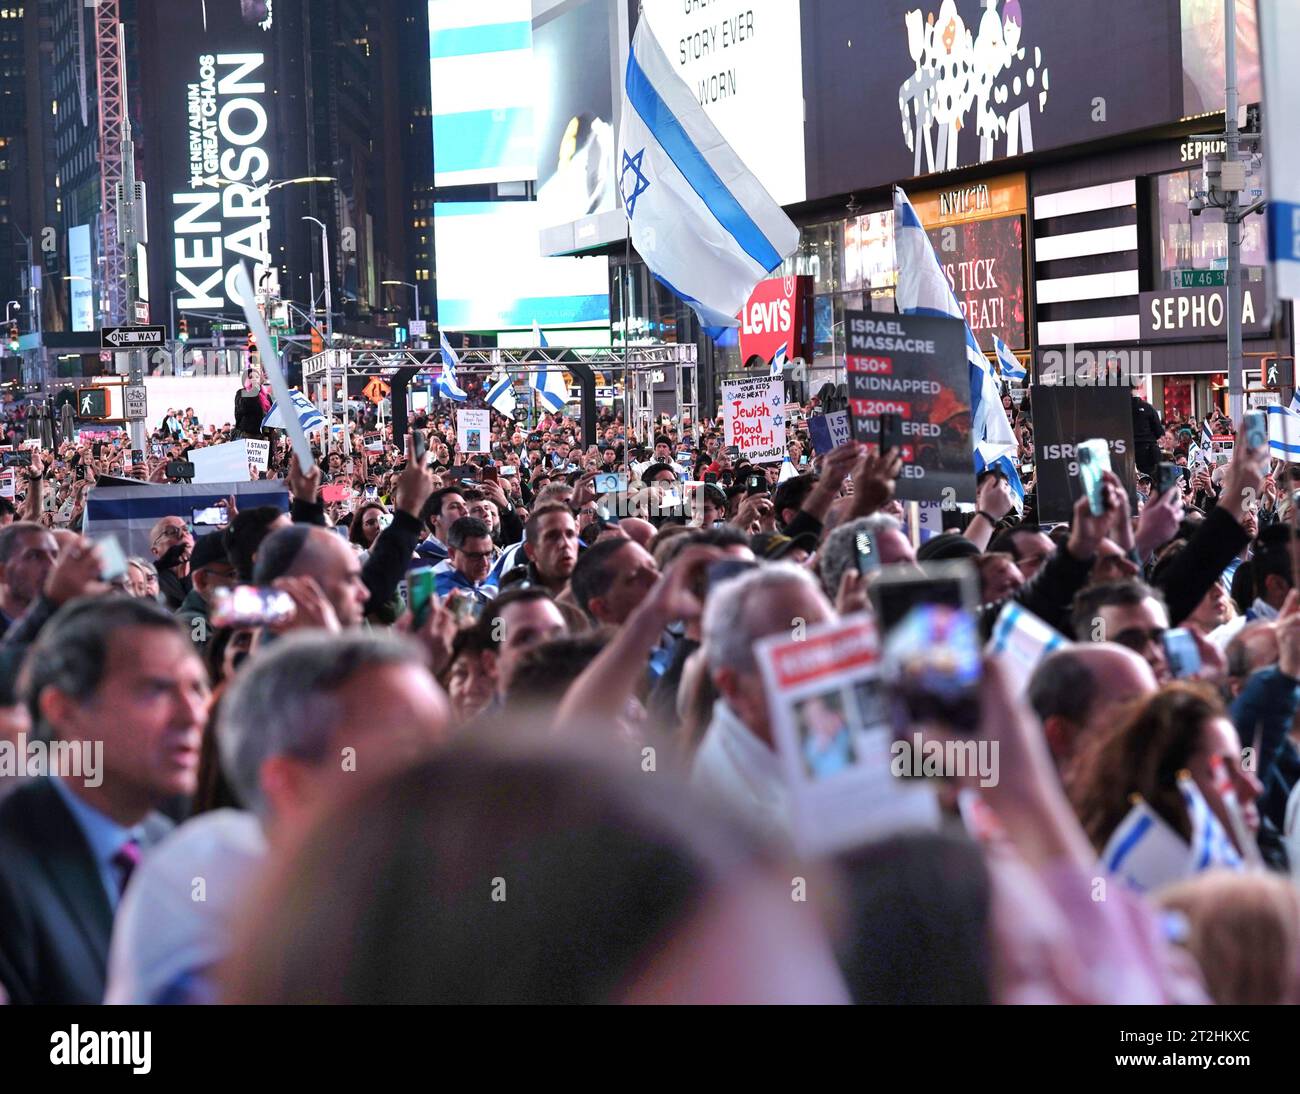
column 1195, row 205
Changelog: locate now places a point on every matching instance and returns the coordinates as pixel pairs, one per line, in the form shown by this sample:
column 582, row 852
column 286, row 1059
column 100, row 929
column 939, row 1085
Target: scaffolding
column 111, row 75
column 634, row 375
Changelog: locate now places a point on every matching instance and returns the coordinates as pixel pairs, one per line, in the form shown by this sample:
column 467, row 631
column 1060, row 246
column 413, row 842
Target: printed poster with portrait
column 830, row 725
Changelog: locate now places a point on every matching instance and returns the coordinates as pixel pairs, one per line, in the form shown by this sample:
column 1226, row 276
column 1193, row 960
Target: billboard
column 218, row 140
column 906, row 88
column 492, row 277
column 480, row 71
column 575, row 64
column 81, row 288
column 984, row 262
column 744, row 66
column 1203, row 55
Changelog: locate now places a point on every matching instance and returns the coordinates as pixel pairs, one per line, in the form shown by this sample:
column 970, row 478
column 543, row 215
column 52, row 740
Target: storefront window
column 1190, row 242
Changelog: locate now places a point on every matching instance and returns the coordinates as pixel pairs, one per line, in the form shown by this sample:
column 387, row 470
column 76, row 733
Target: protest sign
column 827, row 431
column 1020, row 639
column 828, row 714
column 259, row 455
column 473, row 431
column 7, row 479
column 223, row 462
column 753, row 418
column 914, row 367
column 1065, row 416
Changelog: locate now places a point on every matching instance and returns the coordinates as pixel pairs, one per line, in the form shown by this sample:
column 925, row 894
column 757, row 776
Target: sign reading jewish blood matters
column 775, row 316
column 1063, row 417
column 914, row 368
column 753, row 417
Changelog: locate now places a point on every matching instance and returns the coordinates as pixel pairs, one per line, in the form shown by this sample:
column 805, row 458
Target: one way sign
column 132, row 337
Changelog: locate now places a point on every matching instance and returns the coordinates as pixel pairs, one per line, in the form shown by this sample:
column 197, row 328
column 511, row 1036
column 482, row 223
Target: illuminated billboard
column 482, row 91
column 218, row 140
column 491, row 276
column 81, row 286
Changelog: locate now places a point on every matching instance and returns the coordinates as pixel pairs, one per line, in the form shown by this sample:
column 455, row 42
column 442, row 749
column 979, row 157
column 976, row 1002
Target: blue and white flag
column 308, row 416
column 1284, row 431
column 448, row 388
column 1212, row 847
column 549, row 388
column 704, row 224
column 501, row 395
column 1207, row 436
column 924, row 290
column 539, row 337
column 778, row 359
column 1009, row 365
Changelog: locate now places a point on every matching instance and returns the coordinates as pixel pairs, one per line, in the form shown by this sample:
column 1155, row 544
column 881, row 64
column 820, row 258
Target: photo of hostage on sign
column 908, row 378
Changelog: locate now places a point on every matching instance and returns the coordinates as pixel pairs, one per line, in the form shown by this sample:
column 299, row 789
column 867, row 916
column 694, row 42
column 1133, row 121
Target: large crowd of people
column 496, row 729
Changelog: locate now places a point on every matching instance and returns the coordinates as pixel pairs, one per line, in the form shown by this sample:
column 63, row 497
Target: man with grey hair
column 736, row 764
column 303, row 721
column 838, row 553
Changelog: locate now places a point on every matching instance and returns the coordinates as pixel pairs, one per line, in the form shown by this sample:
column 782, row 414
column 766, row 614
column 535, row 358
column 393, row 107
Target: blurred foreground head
column 523, row 877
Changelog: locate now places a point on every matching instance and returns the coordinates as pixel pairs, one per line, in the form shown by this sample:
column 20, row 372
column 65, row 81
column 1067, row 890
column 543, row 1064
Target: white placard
column 473, row 431
column 753, row 417
column 222, row 462
column 829, row 720
column 259, row 454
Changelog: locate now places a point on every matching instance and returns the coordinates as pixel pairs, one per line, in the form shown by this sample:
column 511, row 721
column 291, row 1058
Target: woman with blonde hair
column 1244, row 931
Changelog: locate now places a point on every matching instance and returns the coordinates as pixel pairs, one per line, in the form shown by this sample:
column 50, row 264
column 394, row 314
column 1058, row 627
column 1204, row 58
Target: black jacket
column 55, row 918
column 249, row 413
column 1049, row 594
column 1147, row 427
column 1189, row 576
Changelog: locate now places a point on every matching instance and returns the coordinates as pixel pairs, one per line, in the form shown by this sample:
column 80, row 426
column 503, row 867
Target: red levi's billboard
column 775, row 315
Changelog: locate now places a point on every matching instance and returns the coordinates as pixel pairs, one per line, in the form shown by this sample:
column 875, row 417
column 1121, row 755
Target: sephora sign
column 221, row 217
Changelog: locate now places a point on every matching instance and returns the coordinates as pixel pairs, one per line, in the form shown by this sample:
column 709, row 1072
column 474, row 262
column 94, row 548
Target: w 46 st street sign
column 132, row 337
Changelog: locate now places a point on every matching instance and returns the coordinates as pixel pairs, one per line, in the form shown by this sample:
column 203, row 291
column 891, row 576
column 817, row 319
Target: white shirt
column 738, row 771
column 165, row 939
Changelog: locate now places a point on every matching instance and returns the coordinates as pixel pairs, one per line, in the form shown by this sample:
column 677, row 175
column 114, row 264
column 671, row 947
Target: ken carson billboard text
column 217, row 126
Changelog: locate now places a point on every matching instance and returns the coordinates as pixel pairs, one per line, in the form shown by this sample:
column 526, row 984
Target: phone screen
column 1181, row 652
column 868, row 558
column 932, row 666
column 1254, row 428
column 899, row 589
column 250, row 606
column 1094, row 461
column 891, row 432
column 1168, row 476
column 213, row 515
column 420, row 587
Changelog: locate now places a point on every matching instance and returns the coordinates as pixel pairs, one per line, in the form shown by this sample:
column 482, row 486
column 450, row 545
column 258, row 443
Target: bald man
column 305, row 550
column 1081, row 689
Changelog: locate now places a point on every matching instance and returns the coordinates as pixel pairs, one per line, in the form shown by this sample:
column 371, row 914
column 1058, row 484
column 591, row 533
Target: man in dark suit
column 118, row 680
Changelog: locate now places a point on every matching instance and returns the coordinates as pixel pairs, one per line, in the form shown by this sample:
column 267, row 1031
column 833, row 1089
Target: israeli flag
column 1212, row 847
column 448, row 388
column 1207, row 436
column 701, row 220
column 549, row 388
column 501, row 395
column 1284, row 431
column 539, row 337
column 778, row 359
column 924, row 290
column 308, row 416
column 1011, row 368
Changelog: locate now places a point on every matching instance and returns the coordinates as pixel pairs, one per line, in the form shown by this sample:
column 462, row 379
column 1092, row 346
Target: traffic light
column 13, row 337
column 184, row 333
column 92, row 402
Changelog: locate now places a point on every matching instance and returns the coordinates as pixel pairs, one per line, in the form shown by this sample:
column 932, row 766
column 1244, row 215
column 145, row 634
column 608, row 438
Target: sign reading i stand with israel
column 1279, row 31
column 699, row 218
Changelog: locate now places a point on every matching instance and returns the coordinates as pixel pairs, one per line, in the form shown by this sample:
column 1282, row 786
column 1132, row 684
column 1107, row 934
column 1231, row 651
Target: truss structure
column 636, row 375
column 112, row 131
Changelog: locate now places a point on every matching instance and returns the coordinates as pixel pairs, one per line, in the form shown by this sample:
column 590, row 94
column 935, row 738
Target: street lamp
column 267, row 187
column 16, row 307
column 410, row 285
column 325, row 257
